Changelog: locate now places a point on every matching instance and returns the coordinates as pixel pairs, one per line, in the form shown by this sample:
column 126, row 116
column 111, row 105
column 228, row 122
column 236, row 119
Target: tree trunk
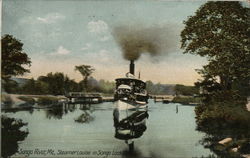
column 85, row 83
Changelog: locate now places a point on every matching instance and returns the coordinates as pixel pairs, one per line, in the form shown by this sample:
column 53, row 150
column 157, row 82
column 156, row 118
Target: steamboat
column 130, row 112
column 130, row 92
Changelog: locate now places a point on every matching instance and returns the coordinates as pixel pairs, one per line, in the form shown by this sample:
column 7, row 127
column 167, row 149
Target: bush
column 224, row 116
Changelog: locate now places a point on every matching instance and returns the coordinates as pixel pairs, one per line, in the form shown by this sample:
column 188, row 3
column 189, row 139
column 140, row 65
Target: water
column 168, row 134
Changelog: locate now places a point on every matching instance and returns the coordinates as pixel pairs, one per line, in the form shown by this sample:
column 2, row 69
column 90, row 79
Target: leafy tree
column 58, row 83
column 70, row 85
column 10, row 86
column 220, row 31
column 29, row 87
column 86, row 71
column 13, row 57
column 186, row 90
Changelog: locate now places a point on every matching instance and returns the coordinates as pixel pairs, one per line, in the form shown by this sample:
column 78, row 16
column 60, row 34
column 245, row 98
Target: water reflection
column 162, row 137
column 59, row 110
column 130, row 125
column 11, row 135
column 30, row 110
column 56, row 112
column 85, row 117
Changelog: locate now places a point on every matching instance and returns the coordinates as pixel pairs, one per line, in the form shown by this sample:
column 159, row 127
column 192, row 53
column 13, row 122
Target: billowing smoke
column 136, row 40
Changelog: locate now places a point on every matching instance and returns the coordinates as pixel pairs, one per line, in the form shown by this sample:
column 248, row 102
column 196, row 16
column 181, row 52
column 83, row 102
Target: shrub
column 217, row 116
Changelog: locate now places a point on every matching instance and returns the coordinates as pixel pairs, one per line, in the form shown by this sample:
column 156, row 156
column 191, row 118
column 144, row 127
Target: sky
column 60, row 34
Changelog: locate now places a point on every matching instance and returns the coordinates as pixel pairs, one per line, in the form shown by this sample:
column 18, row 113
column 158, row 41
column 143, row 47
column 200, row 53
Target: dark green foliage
column 186, row 90
column 60, row 84
column 186, row 100
column 13, row 57
column 220, row 31
column 56, row 84
column 10, row 86
column 34, row 87
column 11, row 135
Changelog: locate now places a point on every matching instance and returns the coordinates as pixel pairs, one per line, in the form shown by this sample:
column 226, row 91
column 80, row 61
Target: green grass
column 185, row 100
column 27, row 99
column 46, row 100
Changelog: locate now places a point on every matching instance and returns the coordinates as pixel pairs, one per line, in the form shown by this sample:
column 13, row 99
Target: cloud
column 61, row 51
column 47, row 19
column 87, row 46
column 50, row 18
column 104, row 38
column 97, row 27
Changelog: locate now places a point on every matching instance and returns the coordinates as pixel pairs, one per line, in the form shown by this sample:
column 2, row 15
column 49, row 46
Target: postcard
column 125, row 79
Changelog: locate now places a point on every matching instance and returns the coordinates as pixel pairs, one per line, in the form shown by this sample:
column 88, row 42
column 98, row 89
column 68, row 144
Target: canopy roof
column 129, row 80
column 123, row 86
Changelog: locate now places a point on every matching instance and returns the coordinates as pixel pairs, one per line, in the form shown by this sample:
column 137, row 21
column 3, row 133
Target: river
column 170, row 133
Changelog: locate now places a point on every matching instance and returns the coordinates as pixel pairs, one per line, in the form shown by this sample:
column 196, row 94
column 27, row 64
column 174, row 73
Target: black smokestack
column 132, row 67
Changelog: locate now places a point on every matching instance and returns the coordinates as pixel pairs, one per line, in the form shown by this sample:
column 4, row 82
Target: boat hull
column 124, row 105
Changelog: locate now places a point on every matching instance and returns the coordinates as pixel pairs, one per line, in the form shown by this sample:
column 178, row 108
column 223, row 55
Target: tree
column 13, row 57
column 186, row 90
column 220, row 31
column 10, row 86
column 57, row 83
column 86, row 71
column 35, row 87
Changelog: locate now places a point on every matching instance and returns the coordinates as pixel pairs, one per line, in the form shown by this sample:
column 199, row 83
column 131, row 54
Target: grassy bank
column 186, row 100
column 27, row 99
column 46, row 100
column 15, row 101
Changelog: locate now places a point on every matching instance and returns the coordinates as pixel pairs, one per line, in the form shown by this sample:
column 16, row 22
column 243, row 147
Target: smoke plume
column 135, row 40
